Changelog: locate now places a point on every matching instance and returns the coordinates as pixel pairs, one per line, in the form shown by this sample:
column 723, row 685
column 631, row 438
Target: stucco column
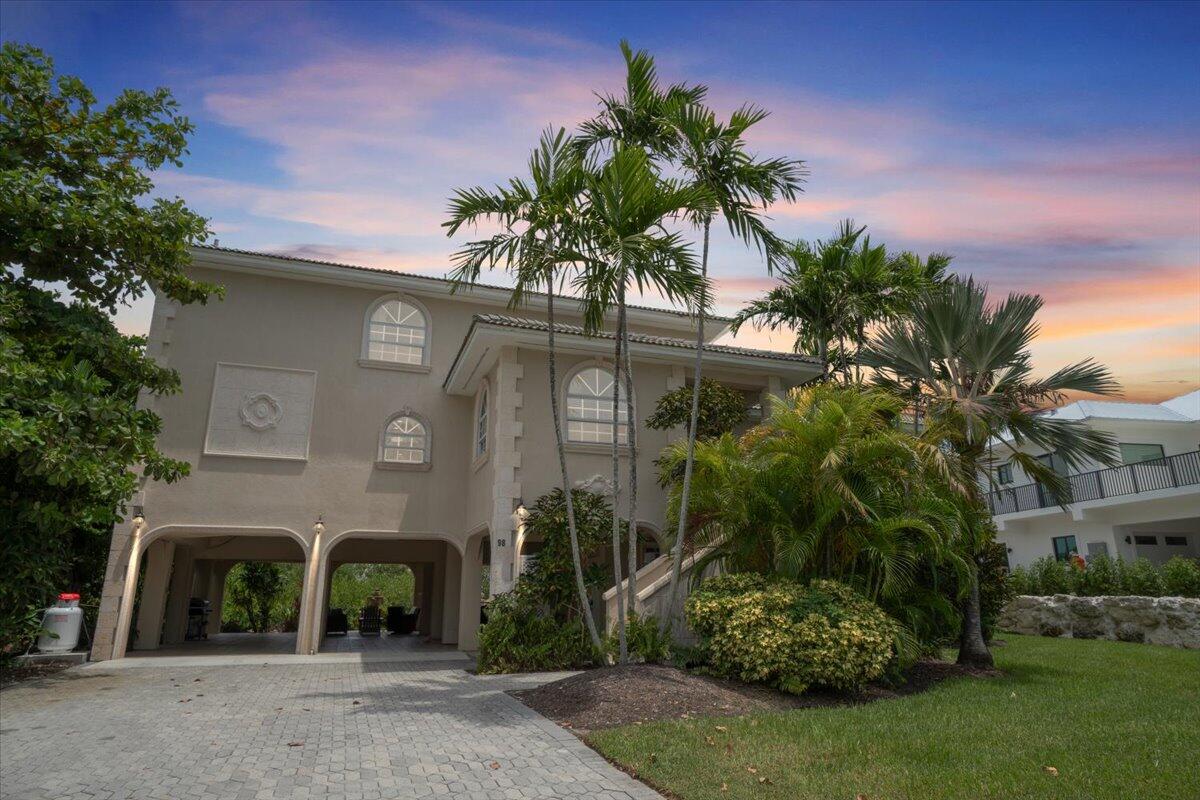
column 128, row 591
column 182, row 578
column 154, row 595
column 216, row 594
column 506, row 489
column 425, row 622
column 469, row 595
column 438, row 590
column 312, row 618
column 450, row 595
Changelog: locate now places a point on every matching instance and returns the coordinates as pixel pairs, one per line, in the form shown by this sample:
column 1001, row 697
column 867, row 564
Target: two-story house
column 335, row 414
column 1149, row 506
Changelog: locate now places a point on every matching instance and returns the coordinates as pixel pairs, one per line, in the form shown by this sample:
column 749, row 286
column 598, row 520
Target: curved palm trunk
column 631, row 421
column 584, row 605
column 693, row 423
column 623, row 645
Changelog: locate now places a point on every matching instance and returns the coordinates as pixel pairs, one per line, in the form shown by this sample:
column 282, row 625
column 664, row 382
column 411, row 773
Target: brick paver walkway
column 305, row 731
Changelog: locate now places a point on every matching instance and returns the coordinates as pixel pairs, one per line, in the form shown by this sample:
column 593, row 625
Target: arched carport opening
column 183, row 592
column 435, row 610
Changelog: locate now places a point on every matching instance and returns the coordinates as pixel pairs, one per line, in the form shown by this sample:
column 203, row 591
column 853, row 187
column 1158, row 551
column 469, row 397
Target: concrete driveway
column 319, row 729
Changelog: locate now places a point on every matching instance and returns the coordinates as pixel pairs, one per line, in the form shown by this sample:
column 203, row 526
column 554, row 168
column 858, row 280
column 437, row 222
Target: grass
column 1115, row 720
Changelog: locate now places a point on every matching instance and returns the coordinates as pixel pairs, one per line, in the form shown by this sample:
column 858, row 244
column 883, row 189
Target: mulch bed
column 607, row 697
column 10, row 676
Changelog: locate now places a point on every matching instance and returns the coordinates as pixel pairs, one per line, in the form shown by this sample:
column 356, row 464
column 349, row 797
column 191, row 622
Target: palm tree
column 827, row 487
column 539, row 222
column 812, row 297
column 714, row 157
column 971, row 362
column 624, row 244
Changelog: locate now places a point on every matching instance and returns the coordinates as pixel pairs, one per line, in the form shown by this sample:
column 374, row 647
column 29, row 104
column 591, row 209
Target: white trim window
column 397, row 332
column 589, row 408
column 405, row 441
column 481, row 421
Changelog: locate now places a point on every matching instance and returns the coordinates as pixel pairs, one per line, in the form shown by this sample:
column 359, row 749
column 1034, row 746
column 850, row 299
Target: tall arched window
column 481, row 421
column 589, row 408
column 396, row 332
column 405, row 441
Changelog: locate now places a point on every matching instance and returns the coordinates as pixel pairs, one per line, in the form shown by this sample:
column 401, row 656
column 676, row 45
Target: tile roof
column 1185, row 408
column 507, row 321
column 380, row 270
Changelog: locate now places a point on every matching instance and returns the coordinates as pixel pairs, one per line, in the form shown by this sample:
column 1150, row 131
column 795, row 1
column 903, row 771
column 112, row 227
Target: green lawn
column 1115, row 720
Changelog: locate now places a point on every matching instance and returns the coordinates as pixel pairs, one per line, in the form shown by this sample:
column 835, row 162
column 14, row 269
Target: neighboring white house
column 1149, row 506
column 334, row 414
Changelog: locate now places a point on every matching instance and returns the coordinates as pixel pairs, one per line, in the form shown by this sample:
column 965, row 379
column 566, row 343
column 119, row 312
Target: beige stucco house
column 336, row 414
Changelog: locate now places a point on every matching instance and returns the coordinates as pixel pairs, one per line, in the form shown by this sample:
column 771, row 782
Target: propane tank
column 64, row 619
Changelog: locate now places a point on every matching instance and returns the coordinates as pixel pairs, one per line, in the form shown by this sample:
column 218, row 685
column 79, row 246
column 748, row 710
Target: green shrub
column 1102, row 576
column 1050, row 576
column 645, row 640
column 1021, row 581
column 1142, row 578
column 791, row 636
column 518, row 637
column 1181, row 577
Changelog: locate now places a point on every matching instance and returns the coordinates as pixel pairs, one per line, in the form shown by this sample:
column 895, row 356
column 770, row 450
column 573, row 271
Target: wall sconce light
column 319, row 525
column 139, row 519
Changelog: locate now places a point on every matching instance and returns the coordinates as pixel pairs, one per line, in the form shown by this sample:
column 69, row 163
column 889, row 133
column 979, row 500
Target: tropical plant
column 828, row 486
column 791, row 635
column 971, row 364
column 1181, row 577
column 648, row 641
column 252, row 587
column 79, row 236
column 539, row 222
column 720, row 410
column 625, row 244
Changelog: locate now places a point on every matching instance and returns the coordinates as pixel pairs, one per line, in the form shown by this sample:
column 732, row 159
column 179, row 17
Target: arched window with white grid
column 397, row 332
column 589, row 408
column 405, row 441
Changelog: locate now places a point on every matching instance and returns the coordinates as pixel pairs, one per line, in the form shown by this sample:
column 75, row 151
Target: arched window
column 589, row 408
column 397, row 331
column 405, row 441
column 481, row 421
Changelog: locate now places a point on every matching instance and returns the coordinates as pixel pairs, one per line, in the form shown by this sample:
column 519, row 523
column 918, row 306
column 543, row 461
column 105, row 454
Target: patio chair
column 394, row 616
column 336, row 622
column 369, row 621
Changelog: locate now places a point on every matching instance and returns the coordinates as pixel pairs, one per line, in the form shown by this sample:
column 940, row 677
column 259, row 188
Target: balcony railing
column 1145, row 476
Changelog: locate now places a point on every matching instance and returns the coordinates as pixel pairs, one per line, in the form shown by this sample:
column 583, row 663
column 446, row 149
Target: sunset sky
column 1053, row 149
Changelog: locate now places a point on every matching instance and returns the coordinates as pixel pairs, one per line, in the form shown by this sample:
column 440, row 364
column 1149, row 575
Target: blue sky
column 1050, row 148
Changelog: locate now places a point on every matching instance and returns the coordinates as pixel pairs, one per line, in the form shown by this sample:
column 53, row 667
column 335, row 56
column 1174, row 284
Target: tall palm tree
column 641, row 117
column 625, row 244
column 539, row 226
column 971, row 362
column 812, row 296
column 714, row 156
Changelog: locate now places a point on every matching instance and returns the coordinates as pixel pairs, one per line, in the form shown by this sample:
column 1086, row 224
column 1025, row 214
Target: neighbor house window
column 1064, row 547
column 481, row 422
column 1145, row 540
column 405, row 441
column 1175, row 541
column 589, row 408
column 397, row 332
column 1004, row 474
column 1137, row 453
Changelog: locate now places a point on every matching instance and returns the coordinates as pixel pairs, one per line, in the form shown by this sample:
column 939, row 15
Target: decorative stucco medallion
column 261, row 411
column 597, row 484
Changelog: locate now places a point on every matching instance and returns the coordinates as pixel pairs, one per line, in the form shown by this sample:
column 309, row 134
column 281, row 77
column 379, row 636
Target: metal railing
column 1145, row 476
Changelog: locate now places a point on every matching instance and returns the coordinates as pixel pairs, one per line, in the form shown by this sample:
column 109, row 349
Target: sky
column 1050, row 148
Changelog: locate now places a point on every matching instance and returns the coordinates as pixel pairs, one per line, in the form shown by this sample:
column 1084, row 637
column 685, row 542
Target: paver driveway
column 314, row 730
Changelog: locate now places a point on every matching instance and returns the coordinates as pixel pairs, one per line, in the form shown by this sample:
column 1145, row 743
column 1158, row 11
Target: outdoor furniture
column 407, row 623
column 336, row 622
column 369, row 621
column 198, row 612
column 394, row 615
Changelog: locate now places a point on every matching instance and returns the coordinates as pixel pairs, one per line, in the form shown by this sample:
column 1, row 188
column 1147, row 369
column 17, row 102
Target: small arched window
column 589, row 408
column 405, row 441
column 396, row 332
column 481, row 421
